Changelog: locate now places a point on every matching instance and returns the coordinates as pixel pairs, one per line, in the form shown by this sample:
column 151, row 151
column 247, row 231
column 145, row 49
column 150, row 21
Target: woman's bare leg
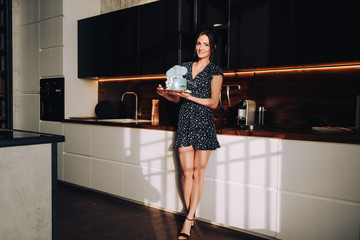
column 186, row 155
column 201, row 160
column 193, row 165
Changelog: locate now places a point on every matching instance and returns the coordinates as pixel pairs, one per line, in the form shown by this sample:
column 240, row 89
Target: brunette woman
column 196, row 133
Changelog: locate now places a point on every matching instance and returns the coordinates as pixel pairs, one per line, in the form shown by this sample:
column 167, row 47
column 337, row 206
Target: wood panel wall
column 298, row 98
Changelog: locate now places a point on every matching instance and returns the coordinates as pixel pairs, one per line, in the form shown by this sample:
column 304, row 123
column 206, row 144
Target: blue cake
column 175, row 79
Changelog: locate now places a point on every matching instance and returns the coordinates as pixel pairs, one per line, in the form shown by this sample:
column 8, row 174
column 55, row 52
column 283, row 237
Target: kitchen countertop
column 321, row 135
column 13, row 137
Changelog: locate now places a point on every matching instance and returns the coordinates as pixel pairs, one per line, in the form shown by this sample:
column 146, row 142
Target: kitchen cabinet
column 328, row 31
column 77, row 162
column 77, row 139
column 250, row 34
column 140, row 164
column 29, row 62
column 108, row 44
column 318, row 190
column 51, row 34
column 203, row 14
column 265, row 185
column 245, row 182
column 51, row 8
column 77, row 169
column 260, row 33
column 90, row 46
column 132, row 41
column 158, row 36
column 197, row 15
column 30, row 112
column 51, row 62
column 275, row 33
column 120, row 46
column 51, row 47
column 107, row 143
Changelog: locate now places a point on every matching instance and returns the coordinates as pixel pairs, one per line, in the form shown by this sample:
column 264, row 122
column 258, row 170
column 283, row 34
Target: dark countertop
column 13, row 137
column 352, row 137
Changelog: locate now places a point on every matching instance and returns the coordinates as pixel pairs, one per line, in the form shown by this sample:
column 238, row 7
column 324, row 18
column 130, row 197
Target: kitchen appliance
column 52, row 99
column 246, row 113
column 262, row 116
column 104, row 109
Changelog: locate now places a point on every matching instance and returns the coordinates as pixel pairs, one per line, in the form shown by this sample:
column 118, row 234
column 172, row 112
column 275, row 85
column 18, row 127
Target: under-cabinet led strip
column 228, row 74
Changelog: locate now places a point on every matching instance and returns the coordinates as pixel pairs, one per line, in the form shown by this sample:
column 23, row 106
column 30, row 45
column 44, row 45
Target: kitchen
column 274, row 175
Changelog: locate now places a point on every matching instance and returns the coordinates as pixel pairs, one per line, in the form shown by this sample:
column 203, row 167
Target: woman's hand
column 168, row 94
column 160, row 90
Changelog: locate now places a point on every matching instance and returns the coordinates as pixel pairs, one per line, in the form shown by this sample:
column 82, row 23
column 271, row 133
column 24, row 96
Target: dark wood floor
column 85, row 214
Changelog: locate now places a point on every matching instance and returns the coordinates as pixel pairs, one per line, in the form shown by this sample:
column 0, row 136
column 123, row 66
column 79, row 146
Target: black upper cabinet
column 158, row 36
column 212, row 13
column 153, row 37
column 328, row 31
column 198, row 15
column 108, row 44
column 260, row 33
column 132, row 41
column 275, row 33
column 121, row 43
column 90, row 47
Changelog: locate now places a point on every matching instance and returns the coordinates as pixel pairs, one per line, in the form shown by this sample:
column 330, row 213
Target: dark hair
column 212, row 41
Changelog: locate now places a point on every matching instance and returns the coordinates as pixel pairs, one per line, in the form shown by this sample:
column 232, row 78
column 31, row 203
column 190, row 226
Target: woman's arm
column 211, row 102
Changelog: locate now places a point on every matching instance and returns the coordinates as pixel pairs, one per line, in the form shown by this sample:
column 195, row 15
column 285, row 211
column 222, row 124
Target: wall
column 113, row 5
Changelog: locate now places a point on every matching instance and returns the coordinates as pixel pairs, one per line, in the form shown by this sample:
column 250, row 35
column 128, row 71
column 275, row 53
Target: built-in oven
column 52, row 99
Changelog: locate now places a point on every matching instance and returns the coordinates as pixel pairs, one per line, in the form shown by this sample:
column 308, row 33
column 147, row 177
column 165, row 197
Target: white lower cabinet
column 77, row 169
column 281, row 188
column 155, row 187
column 107, row 176
column 77, row 138
column 309, row 217
column 107, row 142
column 246, row 207
column 149, row 148
column 319, row 190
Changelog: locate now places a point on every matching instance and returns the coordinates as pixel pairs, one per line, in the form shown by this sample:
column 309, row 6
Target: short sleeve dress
column 196, row 125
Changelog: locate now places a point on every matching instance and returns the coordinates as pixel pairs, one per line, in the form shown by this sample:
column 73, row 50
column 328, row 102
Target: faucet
column 136, row 103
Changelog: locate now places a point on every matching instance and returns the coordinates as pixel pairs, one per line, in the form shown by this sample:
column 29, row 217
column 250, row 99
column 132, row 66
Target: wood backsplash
column 294, row 98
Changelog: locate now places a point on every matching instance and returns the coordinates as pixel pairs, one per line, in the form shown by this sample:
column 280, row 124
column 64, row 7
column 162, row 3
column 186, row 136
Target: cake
column 175, row 79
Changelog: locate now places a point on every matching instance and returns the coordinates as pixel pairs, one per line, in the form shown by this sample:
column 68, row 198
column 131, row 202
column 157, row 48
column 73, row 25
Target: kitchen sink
column 124, row 120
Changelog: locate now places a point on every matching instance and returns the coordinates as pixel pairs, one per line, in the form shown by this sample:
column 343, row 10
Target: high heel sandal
column 193, row 222
column 186, row 236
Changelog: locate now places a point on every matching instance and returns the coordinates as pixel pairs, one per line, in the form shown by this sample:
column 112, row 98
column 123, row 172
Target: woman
column 196, row 134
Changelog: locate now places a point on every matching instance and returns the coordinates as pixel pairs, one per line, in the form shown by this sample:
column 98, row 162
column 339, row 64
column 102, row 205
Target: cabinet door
column 328, row 31
column 90, row 47
column 158, row 36
column 198, row 15
column 212, row 13
column 121, row 42
column 259, row 33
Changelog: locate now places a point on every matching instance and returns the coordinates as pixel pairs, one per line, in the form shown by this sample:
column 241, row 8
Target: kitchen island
column 28, row 162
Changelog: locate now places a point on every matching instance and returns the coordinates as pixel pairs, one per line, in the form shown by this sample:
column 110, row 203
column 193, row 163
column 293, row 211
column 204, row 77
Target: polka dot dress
column 196, row 125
